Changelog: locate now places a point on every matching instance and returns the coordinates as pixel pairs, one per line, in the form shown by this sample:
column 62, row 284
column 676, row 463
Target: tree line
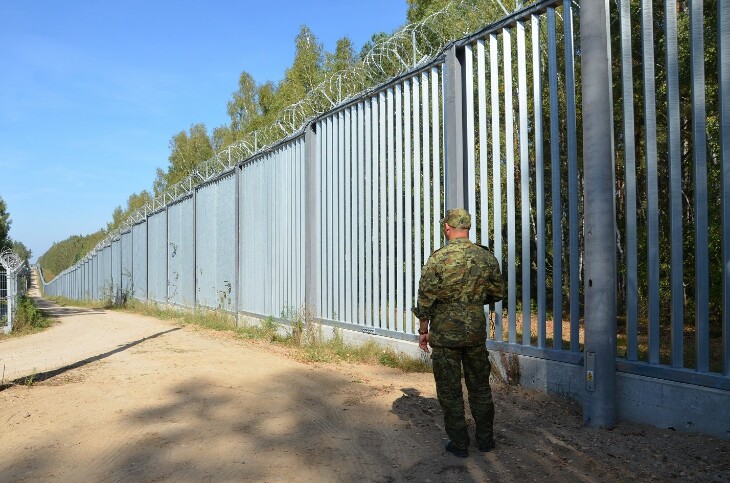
column 5, row 241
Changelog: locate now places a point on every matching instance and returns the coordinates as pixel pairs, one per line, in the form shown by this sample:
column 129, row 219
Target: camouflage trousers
column 447, row 370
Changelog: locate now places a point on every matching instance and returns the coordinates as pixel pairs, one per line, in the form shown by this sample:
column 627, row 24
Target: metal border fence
column 514, row 122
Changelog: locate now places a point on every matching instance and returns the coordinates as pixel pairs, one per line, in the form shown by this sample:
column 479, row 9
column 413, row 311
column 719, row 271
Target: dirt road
column 149, row 401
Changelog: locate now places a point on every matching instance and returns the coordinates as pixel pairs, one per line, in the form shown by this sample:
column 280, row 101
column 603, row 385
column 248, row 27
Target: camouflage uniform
column 456, row 283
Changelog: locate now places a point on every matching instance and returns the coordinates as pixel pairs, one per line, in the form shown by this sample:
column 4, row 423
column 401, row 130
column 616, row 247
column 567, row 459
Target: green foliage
column 23, row 252
column 460, row 18
column 134, row 202
column 187, row 151
column 343, row 57
column 28, row 318
column 305, row 73
column 5, row 222
column 243, row 108
column 65, row 253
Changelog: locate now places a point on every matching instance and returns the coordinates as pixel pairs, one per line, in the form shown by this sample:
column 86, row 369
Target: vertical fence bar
column 347, row 217
column 283, row 196
column 599, row 406
column 632, row 287
column 339, row 245
column 675, row 184
column 331, row 225
column 313, row 223
column 496, row 172
column 699, row 142
column 408, row 198
column 290, row 268
column 271, row 281
column 525, row 262
column 361, row 198
column 391, row 210
column 304, row 214
column 652, row 195
column 351, row 187
column 286, row 226
column 398, row 220
column 274, row 177
column 468, row 126
column 286, row 195
column 166, row 279
column 570, row 113
column 319, row 157
column 370, row 220
column 293, row 239
column 237, row 242
column 723, row 50
column 511, row 203
column 326, row 225
column 268, row 178
column 427, row 192
column 417, row 184
column 539, row 180
column 436, row 173
column 483, row 151
column 383, row 214
column 265, row 295
column 377, row 174
column 355, row 170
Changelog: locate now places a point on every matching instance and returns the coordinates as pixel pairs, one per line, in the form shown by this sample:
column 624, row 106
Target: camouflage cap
column 458, row 218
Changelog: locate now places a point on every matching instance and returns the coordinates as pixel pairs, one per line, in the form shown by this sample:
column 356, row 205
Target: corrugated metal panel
column 180, row 254
column 139, row 263
column 127, row 249
column 157, row 257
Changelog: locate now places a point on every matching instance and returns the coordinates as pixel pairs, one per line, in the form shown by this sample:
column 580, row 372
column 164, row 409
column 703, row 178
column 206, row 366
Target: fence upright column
column 599, row 404
column 237, row 243
column 312, row 197
column 195, row 247
column 455, row 171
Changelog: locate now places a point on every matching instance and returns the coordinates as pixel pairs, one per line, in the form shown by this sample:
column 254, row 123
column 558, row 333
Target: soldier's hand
column 423, row 342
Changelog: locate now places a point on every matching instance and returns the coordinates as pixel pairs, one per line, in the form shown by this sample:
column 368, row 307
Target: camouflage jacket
column 456, row 283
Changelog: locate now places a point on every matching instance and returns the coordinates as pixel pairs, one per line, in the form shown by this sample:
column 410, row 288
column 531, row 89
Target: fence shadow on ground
column 42, row 376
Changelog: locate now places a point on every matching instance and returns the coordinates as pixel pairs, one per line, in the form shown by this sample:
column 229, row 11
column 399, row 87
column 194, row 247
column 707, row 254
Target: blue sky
column 92, row 91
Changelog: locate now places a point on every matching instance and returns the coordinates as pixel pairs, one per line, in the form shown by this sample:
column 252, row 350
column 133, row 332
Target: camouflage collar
column 460, row 240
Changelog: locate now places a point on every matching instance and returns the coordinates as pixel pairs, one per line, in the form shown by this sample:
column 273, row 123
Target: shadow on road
column 42, row 376
column 53, row 310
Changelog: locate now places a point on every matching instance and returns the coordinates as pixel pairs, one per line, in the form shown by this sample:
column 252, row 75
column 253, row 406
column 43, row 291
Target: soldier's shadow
column 419, row 411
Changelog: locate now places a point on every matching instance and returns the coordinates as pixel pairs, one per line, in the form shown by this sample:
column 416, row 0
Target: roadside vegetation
column 28, row 318
column 300, row 336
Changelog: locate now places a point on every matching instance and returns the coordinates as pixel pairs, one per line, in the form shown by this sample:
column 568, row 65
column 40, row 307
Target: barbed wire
column 11, row 261
column 409, row 48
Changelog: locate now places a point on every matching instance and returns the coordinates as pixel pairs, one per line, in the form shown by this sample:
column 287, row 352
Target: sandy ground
column 136, row 399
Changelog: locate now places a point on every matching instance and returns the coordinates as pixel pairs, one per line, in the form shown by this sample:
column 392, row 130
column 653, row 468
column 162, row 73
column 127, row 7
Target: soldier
column 456, row 283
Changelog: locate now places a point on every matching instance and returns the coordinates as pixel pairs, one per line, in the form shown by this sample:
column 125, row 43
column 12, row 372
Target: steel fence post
column 237, row 240
column 599, row 404
column 311, row 223
column 454, row 133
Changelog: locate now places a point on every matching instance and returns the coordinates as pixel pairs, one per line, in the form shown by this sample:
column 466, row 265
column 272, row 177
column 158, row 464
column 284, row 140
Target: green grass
column 28, row 318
